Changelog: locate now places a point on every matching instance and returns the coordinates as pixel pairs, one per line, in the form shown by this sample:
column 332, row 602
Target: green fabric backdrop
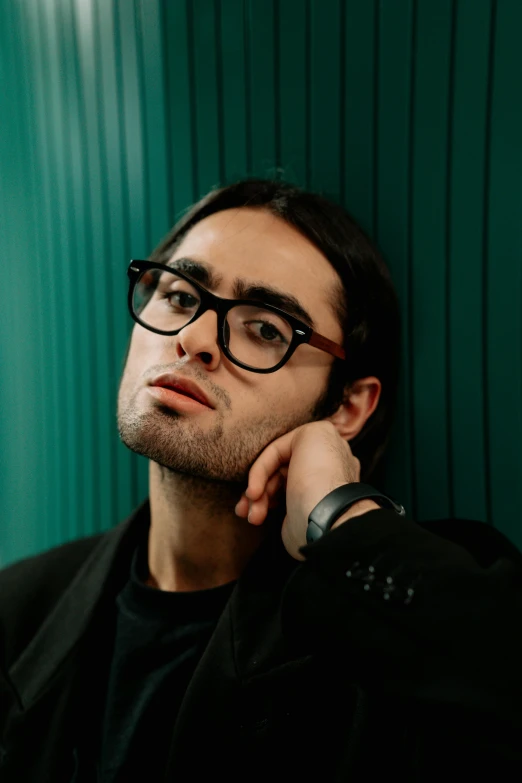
column 117, row 114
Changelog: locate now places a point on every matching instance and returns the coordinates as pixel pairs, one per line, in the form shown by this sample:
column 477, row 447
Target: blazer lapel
column 56, row 680
column 231, row 692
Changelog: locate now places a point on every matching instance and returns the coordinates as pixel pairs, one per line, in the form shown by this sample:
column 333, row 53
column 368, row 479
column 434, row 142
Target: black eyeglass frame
column 302, row 333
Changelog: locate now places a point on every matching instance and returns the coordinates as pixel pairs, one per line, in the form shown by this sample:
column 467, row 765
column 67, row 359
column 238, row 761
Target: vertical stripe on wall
column 503, row 278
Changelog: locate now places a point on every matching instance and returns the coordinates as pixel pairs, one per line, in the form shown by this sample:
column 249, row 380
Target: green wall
column 117, row 114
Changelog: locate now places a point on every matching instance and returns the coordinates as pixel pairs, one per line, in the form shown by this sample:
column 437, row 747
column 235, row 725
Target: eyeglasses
column 253, row 335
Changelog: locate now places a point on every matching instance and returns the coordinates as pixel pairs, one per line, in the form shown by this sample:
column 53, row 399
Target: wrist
column 358, row 508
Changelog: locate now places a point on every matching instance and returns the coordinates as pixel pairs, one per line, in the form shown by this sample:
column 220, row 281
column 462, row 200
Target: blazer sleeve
column 416, row 614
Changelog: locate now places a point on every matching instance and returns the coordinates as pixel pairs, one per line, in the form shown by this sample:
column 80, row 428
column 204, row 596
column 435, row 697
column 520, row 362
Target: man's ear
column 360, row 401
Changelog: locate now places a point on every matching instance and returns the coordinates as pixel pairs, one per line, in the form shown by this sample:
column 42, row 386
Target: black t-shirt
column 159, row 639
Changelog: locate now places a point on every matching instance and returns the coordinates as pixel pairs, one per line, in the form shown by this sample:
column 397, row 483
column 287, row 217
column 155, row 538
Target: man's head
column 275, row 235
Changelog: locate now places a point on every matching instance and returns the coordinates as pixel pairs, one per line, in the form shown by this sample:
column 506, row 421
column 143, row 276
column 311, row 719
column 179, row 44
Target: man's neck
column 196, row 541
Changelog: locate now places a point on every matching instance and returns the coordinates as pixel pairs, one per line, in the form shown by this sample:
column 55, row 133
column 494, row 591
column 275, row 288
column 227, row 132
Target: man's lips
column 176, row 400
column 182, row 386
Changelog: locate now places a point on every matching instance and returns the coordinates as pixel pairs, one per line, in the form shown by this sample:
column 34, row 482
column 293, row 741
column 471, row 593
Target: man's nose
column 201, row 337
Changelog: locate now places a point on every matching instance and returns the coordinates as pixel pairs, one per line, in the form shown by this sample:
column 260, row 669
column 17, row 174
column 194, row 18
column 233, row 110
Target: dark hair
column 367, row 306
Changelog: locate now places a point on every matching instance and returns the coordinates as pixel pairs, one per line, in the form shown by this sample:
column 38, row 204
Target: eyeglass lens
column 256, row 337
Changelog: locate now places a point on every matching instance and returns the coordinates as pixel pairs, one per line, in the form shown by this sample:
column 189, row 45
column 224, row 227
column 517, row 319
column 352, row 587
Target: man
column 265, row 613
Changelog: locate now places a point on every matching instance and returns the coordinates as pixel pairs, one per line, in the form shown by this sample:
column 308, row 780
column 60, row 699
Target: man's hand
column 309, row 462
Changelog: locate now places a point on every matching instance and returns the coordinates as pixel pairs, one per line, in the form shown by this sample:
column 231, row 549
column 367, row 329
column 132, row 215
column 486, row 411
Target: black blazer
column 393, row 652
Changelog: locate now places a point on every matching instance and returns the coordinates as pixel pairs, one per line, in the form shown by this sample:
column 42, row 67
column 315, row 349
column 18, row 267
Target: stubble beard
column 181, row 445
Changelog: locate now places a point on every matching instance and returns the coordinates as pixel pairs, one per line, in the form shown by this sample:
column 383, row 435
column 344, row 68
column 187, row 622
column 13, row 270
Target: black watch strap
column 338, row 501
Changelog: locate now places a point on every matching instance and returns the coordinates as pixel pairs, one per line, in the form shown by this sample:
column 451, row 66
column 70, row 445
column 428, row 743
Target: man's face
column 250, row 409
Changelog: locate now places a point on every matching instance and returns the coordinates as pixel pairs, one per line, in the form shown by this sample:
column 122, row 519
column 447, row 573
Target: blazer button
column 369, row 579
column 410, row 592
column 387, row 591
column 353, row 566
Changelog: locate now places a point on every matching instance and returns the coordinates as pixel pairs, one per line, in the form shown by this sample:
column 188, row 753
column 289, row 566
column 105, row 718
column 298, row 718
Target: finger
column 270, row 499
column 258, row 510
column 275, row 484
column 275, row 456
column 242, row 507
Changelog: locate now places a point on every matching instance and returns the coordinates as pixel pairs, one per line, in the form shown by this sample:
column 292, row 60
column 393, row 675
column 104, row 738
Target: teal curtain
column 118, row 114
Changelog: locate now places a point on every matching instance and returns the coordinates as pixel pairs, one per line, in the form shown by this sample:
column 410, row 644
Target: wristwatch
column 330, row 508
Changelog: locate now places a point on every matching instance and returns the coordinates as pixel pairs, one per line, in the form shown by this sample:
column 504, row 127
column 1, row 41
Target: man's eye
column 180, row 299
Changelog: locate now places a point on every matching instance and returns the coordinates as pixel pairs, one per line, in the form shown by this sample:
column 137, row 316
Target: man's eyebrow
column 242, row 289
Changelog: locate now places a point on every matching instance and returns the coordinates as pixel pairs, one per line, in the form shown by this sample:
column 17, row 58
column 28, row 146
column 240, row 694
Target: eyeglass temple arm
column 324, row 344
